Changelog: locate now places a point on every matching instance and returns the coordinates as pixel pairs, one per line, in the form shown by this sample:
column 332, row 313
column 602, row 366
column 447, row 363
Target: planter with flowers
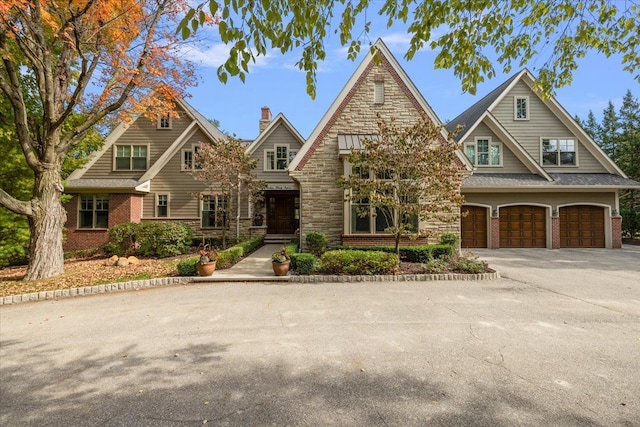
column 206, row 265
column 280, row 262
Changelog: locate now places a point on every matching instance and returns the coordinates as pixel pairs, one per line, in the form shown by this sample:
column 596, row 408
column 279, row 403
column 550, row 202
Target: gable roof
column 381, row 52
column 476, row 113
column 280, row 120
column 198, row 122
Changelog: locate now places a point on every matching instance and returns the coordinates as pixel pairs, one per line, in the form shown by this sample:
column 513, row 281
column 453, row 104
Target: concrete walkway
column 256, row 267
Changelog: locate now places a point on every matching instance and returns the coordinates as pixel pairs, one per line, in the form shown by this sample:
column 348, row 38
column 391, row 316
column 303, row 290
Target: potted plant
column 280, row 262
column 206, row 265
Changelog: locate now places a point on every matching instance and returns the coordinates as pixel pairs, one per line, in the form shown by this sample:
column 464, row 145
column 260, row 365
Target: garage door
column 523, row 227
column 582, row 227
column 474, row 227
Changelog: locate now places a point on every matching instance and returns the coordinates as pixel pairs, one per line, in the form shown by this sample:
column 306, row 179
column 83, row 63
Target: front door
column 282, row 212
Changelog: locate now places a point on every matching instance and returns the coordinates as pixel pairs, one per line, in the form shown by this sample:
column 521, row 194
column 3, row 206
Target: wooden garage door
column 523, row 227
column 474, row 227
column 582, row 227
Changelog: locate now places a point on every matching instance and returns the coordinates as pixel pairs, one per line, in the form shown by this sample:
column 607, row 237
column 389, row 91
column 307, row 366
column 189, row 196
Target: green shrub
column 436, row 266
column 359, row 262
column 163, row 239
column 468, row 265
column 187, row 267
column 149, row 239
column 421, row 253
column 230, row 256
column 249, row 246
column 449, row 239
column 317, row 242
column 304, row 263
column 122, row 239
column 292, row 248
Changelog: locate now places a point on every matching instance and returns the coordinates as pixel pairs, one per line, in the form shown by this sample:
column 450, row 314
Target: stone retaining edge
column 394, row 278
column 94, row 290
column 168, row 281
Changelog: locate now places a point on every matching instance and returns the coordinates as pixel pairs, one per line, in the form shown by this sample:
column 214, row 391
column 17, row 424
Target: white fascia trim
column 108, row 143
column 169, row 153
column 280, row 119
column 508, row 89
column 207, row 128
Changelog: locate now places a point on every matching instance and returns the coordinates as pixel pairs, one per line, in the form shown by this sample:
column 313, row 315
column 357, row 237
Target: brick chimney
column 265, row 118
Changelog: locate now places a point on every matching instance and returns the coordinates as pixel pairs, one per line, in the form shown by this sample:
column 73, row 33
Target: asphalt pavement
column 555, row 342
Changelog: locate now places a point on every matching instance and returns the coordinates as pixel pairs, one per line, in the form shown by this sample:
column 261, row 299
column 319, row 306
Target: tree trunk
column 46, row 257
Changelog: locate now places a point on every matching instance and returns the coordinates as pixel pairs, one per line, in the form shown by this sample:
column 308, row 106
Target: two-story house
column 535, row 178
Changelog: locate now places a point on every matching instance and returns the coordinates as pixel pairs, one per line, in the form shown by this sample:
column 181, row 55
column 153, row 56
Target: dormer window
column 484, row 152
column 521, row 108
column 164, row 122
column 279, row 158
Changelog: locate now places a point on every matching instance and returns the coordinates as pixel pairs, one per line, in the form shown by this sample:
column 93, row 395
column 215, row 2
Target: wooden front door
column 473, row 227
column 523, row 227
column 582, row 227
column 282, row 213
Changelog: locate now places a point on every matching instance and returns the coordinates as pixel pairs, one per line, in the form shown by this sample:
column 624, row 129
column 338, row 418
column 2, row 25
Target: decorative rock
column 111, row 261
column 122, row 262
column 133, row 260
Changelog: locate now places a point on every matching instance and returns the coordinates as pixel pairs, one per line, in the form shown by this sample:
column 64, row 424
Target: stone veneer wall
column 322, row 201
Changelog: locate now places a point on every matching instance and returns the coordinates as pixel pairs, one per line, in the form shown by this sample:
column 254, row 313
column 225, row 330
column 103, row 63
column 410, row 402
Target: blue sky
column 274, row 81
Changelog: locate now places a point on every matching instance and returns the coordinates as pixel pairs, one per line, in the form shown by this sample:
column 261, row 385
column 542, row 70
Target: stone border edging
column 393, row 278
column 167, row 281
column 94, row 290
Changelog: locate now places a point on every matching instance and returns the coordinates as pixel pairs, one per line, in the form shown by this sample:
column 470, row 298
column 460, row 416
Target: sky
column 274, row 81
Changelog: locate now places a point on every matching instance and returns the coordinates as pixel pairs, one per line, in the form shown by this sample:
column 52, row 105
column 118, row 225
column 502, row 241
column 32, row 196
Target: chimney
column 265, row 118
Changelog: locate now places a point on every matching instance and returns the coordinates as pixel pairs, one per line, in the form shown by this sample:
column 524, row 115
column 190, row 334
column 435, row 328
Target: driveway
column 556, row 342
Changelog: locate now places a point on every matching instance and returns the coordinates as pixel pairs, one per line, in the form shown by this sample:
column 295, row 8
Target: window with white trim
column 279, row 158
column 162, row 205
column 131, row 157
column 164, row 122
column 484, row 152
column 189, row 159
column 558, row 152
column 93, row 211
column 214, row 211
column 521, row 108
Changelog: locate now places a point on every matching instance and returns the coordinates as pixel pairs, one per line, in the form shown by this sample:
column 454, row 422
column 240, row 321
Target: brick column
column 616, row 232
column 555, row 232
column 495, row 232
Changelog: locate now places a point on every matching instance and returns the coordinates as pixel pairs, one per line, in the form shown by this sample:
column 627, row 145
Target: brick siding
column 495, row 232
column 555, row 232
column 616, row 232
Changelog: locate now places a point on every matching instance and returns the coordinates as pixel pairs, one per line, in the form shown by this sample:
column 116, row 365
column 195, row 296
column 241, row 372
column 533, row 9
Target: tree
column 405, row 177
column 17, row 180
column 609, row 131
column 225, row 163
column 518, row 31
column 84, row 61
column 629, row 145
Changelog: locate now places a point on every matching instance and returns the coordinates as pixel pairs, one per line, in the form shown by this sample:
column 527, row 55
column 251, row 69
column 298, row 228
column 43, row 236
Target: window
column 94, row 211
column 521, row 108
column 164, row 122
column 162, row 206
column 558, row 152
column 131, row 157
column 378, row 92
column 189, row 159
column 214, row 211
column 483, row 152
column 366, row 219
column 279, row 158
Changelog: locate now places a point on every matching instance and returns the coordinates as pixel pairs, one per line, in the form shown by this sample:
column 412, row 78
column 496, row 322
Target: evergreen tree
column 629, row 145
column 609, row 131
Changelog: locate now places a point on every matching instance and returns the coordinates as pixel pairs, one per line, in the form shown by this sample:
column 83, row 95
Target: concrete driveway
column 556, row 342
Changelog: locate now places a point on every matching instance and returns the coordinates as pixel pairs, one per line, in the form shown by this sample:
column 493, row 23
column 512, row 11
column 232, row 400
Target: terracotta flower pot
column 281, row 268
column 206, row 268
